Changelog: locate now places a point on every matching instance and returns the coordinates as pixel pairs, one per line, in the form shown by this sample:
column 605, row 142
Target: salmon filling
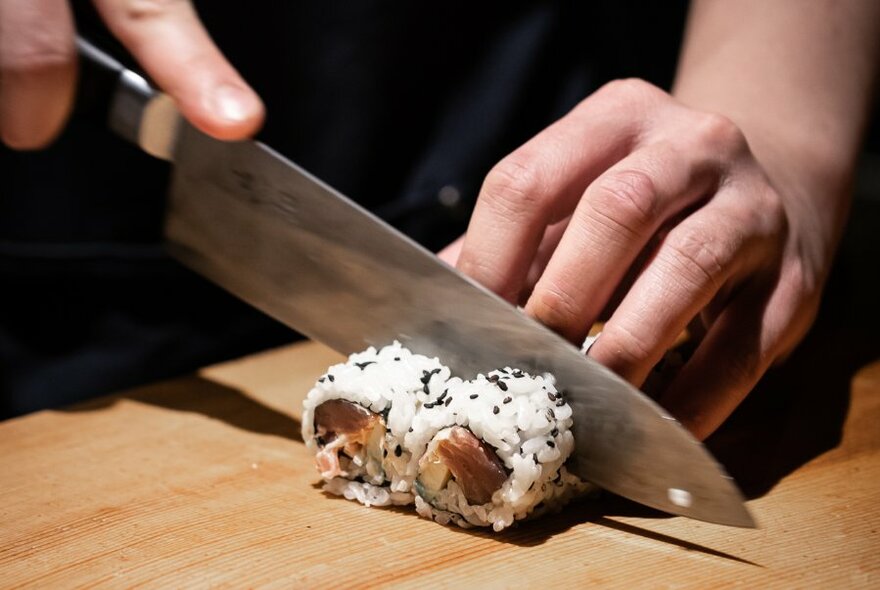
column 458, row 454
column 350, row 439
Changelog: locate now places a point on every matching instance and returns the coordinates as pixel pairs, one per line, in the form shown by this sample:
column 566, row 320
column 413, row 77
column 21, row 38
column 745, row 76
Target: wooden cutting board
column 204, row 482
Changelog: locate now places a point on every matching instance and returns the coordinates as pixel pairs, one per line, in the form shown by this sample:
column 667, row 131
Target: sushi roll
column 492, row 451
column 356, row 416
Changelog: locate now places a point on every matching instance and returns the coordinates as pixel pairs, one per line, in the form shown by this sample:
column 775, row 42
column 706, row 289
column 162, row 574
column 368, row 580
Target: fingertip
column 35, row 105
column 227, row 111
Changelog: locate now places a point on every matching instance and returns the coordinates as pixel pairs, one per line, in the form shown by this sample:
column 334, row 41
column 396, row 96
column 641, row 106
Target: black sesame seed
column 425, row 388
column 493, row 379
column 448, row 401
column 474, row 395
column 517, row 374
column 428, row 406
column 551, row 397
column 398, row 451
column 397, row 358
column 560, row 403
column 535, row 459
column 502, row 385
column 321, row 380
column 331, row 378
column 507, row 400
column 495, row 409
column 364, row 365
column 554, row 432
column 551, row 414
column 551, row 444
column 410, row 429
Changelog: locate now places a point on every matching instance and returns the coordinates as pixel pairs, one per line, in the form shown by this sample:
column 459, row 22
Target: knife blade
column 282, row 240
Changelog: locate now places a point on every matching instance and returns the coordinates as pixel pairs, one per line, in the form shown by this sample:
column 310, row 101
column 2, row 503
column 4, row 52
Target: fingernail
column 233, row 103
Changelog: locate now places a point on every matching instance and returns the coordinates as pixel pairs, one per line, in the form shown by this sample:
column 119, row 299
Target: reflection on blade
column 293, row 247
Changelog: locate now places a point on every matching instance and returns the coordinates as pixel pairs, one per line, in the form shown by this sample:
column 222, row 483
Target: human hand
column 633, row 192
column 38, row 67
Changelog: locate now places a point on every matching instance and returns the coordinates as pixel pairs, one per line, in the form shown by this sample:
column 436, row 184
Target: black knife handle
column 111, row 95
column 99, row 75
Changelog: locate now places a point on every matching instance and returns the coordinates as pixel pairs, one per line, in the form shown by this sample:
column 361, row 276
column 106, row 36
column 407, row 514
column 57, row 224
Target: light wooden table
column 203, row 481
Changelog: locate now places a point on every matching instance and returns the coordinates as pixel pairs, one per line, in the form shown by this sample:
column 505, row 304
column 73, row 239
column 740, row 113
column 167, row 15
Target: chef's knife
column 285, row 242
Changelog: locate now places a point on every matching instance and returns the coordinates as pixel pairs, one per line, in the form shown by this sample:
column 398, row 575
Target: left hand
column 633, row 192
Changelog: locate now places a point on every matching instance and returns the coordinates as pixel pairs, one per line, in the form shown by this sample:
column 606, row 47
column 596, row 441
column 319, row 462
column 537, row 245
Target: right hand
column 38, row 67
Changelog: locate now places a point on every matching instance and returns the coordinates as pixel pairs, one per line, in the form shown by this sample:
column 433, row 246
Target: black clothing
column 388, row 101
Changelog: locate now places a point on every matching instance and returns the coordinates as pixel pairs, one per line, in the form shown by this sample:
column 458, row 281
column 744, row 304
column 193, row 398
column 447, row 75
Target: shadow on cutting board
column 596, row 511
column 211, row 399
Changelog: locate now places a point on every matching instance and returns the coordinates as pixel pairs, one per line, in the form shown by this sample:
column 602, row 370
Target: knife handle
column 123, row 100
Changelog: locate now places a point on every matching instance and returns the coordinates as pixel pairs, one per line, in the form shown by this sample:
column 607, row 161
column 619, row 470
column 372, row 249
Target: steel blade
column 290, row 245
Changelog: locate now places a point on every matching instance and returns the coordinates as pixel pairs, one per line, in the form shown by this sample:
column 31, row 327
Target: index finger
column 169, row 41
column 536, row 186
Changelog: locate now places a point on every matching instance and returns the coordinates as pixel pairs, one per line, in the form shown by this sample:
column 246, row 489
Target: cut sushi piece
column 356, row 416
column 493, row 451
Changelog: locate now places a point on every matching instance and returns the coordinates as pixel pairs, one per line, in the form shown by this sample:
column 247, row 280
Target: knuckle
column 699, row 257
column 802, row 285
column 630, row 349
column 747, row 364
column 720, row 133
column 488, row 274
column 764, row 223
column 628, row 198
column 628, row 88
column 555, row 307
column 136, row 10
column 43, row 51
column 773, row 209
column 513, row 187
